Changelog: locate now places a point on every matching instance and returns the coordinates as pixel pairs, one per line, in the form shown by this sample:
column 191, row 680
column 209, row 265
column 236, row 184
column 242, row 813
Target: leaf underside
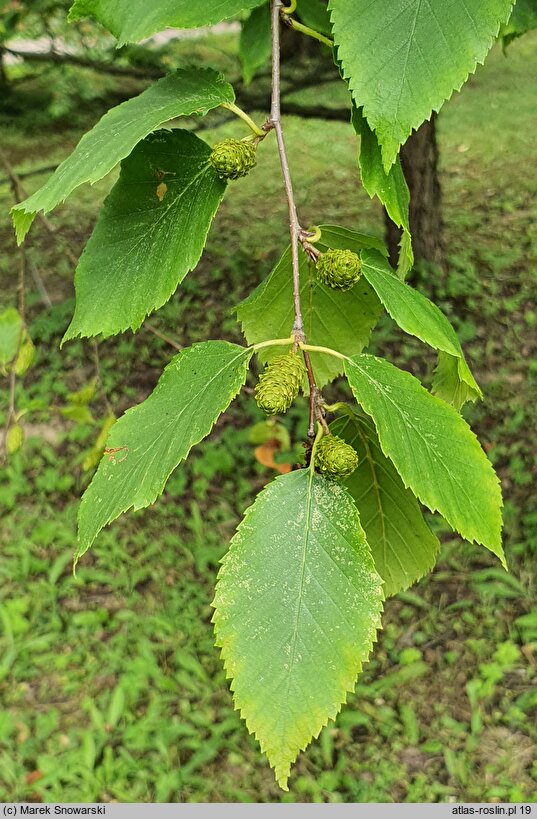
column 150, row 233
column 133, row 20
column 185, row 92
column 453, row 382
column 314, row 14
column 420, row 317
column 403, row 547
column 255, row 42
column 340, row 320
column 404, row 58
column 432, row 447
column 297, row 606
column 151, row 439
column 522, row 20
column 390, row 187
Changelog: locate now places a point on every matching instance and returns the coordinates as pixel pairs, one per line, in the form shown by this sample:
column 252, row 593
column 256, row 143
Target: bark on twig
column 294, row 225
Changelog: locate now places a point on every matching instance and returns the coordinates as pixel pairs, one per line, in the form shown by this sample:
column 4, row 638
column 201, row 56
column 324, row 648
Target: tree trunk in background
column 4, row 83
column 419, row 158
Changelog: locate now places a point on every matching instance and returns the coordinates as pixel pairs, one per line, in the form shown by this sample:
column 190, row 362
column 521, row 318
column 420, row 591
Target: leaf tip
column 22, row 222
column 282, row 782
column 76, row 557
column 69, row 335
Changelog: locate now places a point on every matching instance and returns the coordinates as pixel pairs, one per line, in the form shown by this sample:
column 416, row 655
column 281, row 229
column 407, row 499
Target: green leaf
column 25, row 355
column 390, row 186
column 78, row 413
column 85, row 394
column 269, row 430
column 298, row 603
column 432, row 447
column 185, row 92
column 419, row 317
column 150, row 440
column 255, row 43
column 403, row 60
column 14, row 439
column 314, row 13
column 10, row 334
column 150, row 233
column 133, row 20
column 16, row 348
column 403, row 547
column 94, row 454
column 453, row 382
column 522, row 20
column 340, row 320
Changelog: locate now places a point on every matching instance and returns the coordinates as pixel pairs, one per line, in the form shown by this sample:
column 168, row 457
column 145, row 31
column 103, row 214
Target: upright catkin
column 233, row 158
column 334, row 458
column 339, row 269
column 279, row 383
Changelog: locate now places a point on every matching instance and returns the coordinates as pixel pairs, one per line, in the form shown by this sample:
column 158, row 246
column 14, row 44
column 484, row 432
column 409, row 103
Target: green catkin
column 339, row 269
column 279, row 383
column 334, row 458
column 233, row 158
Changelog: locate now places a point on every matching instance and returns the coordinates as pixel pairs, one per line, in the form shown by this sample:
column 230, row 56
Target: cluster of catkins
column 279, row 383
column 276, row 390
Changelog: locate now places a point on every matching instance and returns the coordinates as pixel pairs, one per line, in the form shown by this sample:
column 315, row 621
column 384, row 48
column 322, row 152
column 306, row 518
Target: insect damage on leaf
column 297, row 608
column 161, row 191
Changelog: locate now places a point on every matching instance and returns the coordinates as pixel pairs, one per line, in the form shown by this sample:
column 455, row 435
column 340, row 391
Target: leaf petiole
column 314, row 349
column 319, row 435
column 309, row 32
column 313, row 234
column 273, row 342
column 230, row 106
column 341, row 406
column 290, row 9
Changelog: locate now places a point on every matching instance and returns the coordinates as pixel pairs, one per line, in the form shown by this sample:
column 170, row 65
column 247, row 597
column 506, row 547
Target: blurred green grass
column 110, row 686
